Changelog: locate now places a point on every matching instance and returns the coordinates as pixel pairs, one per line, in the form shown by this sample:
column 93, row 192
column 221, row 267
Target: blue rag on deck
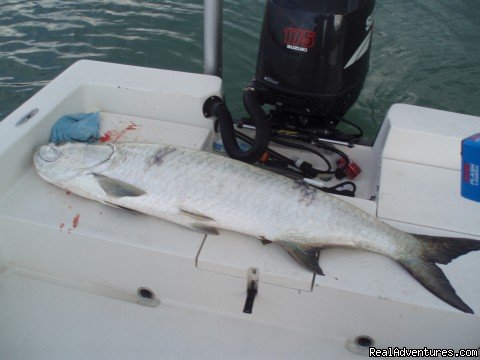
column 78, row 127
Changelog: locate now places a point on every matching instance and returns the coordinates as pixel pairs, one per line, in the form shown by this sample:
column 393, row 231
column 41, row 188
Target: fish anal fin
column 196, row 215
column 200, row 228
column 117, row 188
column 206, row 229
column 304, row 254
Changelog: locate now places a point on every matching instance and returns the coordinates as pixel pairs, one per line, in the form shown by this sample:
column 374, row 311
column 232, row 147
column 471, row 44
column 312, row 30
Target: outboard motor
column 312, row 63
column 313, row 57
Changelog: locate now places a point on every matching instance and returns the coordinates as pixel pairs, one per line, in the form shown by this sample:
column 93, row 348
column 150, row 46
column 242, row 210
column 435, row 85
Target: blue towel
column 78, row 127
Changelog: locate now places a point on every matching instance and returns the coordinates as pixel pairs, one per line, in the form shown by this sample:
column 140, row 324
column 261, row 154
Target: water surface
column 425, row 52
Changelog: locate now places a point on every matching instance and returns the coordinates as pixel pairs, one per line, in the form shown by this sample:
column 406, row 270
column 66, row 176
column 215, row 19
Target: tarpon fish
column 206, row 192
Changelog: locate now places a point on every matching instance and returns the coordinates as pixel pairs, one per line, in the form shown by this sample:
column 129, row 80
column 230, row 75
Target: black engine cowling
column 314, row 55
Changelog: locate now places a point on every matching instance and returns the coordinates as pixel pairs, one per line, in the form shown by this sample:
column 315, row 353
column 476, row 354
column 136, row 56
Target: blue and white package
column 471, row 168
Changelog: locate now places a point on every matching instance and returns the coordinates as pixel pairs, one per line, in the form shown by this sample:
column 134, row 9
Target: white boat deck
column 88, row 326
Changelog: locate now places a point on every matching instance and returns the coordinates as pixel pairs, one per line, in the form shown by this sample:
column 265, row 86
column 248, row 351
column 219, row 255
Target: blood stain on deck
column 75, row 221
column 114, row 135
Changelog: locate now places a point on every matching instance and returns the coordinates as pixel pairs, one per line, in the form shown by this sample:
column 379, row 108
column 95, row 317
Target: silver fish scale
column 246, row 199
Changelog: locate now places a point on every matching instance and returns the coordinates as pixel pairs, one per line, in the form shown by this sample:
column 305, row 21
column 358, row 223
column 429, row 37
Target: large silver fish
column 206, row 192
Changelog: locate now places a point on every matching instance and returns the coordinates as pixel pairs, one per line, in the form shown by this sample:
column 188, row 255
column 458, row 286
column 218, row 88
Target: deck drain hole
column 364, row 341
column 145, row 293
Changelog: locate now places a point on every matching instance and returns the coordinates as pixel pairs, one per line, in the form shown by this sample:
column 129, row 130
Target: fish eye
column 49, row 153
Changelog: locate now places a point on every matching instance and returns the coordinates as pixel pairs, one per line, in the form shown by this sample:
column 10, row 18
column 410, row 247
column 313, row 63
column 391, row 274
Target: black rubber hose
column 287, row 161
column 215, row 106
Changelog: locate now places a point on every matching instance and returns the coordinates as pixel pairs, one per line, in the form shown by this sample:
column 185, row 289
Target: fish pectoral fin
column 196, row 215
column 117, row 188
column 304, row 254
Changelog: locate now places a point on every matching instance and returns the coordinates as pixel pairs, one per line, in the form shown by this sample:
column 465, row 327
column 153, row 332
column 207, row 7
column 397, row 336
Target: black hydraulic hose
column 216, row 107
column 302, row 147
column 347, row 137
column 260, row 119
column 287, row 161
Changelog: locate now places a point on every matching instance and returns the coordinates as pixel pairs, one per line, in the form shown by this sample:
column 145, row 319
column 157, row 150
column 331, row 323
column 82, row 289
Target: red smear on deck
column 75, row 221
column 106, row 137
column 132, row 126
column 114, row 135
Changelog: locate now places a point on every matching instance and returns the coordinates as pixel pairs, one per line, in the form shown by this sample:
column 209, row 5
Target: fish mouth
column 48, row 153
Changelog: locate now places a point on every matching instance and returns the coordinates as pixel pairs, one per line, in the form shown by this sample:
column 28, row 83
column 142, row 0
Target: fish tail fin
column 442, row 251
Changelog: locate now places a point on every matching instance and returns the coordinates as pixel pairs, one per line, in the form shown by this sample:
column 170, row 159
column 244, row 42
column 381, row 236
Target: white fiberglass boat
column 79, row 280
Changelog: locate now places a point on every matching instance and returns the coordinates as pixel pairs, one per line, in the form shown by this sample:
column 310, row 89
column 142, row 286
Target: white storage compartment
column 420, row 171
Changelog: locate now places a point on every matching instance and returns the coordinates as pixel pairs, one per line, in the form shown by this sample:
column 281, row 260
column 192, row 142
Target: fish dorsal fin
column 117, row 188
column 196, row 215
column 304, row 254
